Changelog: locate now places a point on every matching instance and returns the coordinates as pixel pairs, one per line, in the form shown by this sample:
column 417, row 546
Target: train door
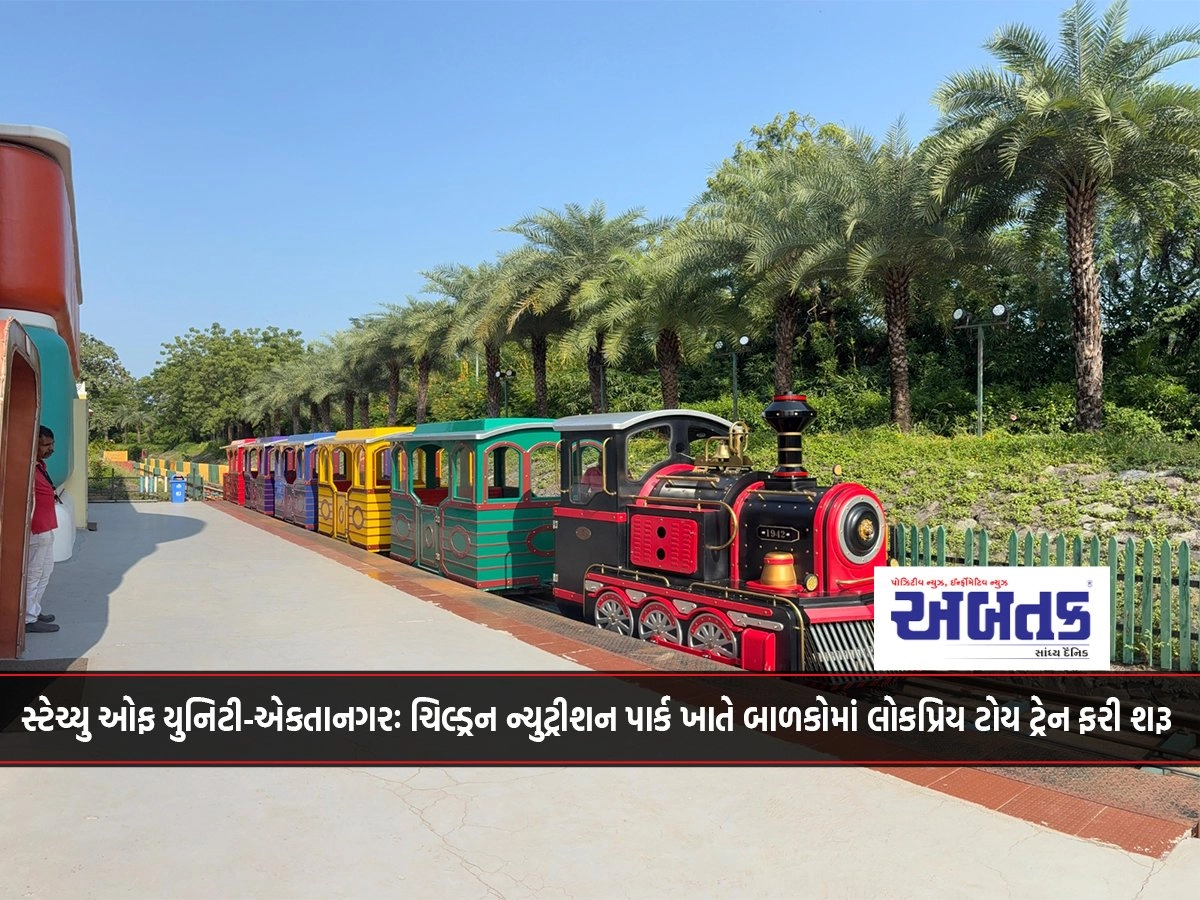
column 403, row 509
column 285, row 483
column 267, row 481
column 431, row 484
column 239, row 481
column 325, row 491
column 253, row 494
column 340, row 459
column 305, row 498
column 589, row 529
column 227, row 488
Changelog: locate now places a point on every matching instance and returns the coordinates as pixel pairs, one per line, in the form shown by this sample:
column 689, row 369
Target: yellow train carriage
column 354, row 479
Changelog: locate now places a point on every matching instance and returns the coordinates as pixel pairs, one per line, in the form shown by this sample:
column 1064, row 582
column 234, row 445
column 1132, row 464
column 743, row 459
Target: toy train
column 652, row 524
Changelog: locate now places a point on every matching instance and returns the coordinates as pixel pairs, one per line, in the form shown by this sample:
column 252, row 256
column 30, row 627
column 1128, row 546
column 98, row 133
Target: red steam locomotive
column 666, row 532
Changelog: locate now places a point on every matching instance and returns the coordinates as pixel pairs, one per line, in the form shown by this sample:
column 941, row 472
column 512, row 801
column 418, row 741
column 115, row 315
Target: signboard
column 992, row 619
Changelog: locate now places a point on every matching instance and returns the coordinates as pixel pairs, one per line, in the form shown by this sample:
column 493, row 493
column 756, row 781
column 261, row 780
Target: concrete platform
column 192, row 587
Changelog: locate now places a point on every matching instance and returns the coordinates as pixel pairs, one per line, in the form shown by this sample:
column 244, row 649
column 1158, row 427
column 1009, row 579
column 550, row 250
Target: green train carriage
column 474, row 501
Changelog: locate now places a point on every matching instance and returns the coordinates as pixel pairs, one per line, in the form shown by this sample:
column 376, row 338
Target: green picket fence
column 1154, row 609
column 153, row 478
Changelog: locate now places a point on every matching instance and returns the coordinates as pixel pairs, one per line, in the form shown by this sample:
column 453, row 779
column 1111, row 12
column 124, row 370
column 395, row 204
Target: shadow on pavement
column 81, row 586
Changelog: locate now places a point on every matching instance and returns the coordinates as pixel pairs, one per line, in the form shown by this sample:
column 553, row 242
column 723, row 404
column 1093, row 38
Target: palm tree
column 749, row 224
column 523, row 274
column 264, row 401
column 649, row 300
column 567, row 250
column 1062, row 133
column 478, row 319
column 367, row 358
column 317, row 382
column 384, row 342
column 882, row 229
column 350, row 360
column 132, row 415
column 426, row 337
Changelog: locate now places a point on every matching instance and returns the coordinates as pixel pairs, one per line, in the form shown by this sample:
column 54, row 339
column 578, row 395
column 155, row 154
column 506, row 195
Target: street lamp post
column 733, row 351
column 962, row 319
column 504, row 375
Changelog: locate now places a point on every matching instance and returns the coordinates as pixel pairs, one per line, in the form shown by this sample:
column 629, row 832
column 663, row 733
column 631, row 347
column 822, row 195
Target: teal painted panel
column 58, row 394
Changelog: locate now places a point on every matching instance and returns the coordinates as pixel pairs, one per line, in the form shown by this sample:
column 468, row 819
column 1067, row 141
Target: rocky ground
column 1131, row 504
column 1066, row 499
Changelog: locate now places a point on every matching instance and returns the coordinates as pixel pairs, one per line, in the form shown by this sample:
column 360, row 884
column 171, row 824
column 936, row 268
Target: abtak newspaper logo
column 992, row 618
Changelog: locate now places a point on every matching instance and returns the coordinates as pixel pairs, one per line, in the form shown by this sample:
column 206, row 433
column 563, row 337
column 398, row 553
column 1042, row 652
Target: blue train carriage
column 296, row 479
column 666, row 532
column 474, row 501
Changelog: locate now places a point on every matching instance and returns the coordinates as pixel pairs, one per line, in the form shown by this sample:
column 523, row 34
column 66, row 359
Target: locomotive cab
column 606, row 464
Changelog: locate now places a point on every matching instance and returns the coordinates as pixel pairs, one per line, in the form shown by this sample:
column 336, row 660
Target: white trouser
column 37, row 575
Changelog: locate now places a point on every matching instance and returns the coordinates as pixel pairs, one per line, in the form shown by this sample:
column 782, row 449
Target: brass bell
column 779, row 570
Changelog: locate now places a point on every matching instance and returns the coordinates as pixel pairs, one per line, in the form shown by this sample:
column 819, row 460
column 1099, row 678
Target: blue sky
column 297, row 164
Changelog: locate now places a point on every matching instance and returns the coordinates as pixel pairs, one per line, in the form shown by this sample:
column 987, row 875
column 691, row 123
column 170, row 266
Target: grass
column 1068, row 483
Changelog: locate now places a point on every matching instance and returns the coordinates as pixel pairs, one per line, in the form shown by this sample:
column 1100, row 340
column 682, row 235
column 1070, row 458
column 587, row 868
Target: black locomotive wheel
column 658, row 621
column 613, row 613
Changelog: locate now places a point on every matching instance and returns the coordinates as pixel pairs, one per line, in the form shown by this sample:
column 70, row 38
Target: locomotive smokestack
column 789, row 415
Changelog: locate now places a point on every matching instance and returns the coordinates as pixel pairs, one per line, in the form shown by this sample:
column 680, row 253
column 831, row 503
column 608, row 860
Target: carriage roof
column 361, row 435
column 474, row 430
column 305, row 439
column 626, row 420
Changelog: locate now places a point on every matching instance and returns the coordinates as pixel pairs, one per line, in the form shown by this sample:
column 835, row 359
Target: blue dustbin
column 178, row 488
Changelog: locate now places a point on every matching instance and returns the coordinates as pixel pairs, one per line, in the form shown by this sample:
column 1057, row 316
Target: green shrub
column 1131, row 422
column 1163, row 397
column 453, row 399
column 1046, row 409
column 847, row 402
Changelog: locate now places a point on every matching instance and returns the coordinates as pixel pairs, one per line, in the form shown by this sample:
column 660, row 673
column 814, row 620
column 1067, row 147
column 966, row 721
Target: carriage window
column 504, row 473
column 430, row 474
column 341, row 469
column 464, row 475
column 645, row 449
column 586, row 471
column 252, row 468
column 360, row 467
column 289, row 465
column 418, row 468
column 383, row 467
column 543, row 472
column 428, row 470
column 399, row 470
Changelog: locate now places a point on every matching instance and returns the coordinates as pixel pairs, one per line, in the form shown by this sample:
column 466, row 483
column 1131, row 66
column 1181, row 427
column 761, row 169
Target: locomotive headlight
column 861, row 530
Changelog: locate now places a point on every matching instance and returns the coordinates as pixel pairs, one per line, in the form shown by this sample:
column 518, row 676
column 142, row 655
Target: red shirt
column 45, row 518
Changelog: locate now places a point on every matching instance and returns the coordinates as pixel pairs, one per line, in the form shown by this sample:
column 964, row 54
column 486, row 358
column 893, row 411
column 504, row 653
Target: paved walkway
column 190, row 587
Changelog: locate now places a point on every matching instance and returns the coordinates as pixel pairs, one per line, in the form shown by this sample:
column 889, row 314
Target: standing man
column 41, row 540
